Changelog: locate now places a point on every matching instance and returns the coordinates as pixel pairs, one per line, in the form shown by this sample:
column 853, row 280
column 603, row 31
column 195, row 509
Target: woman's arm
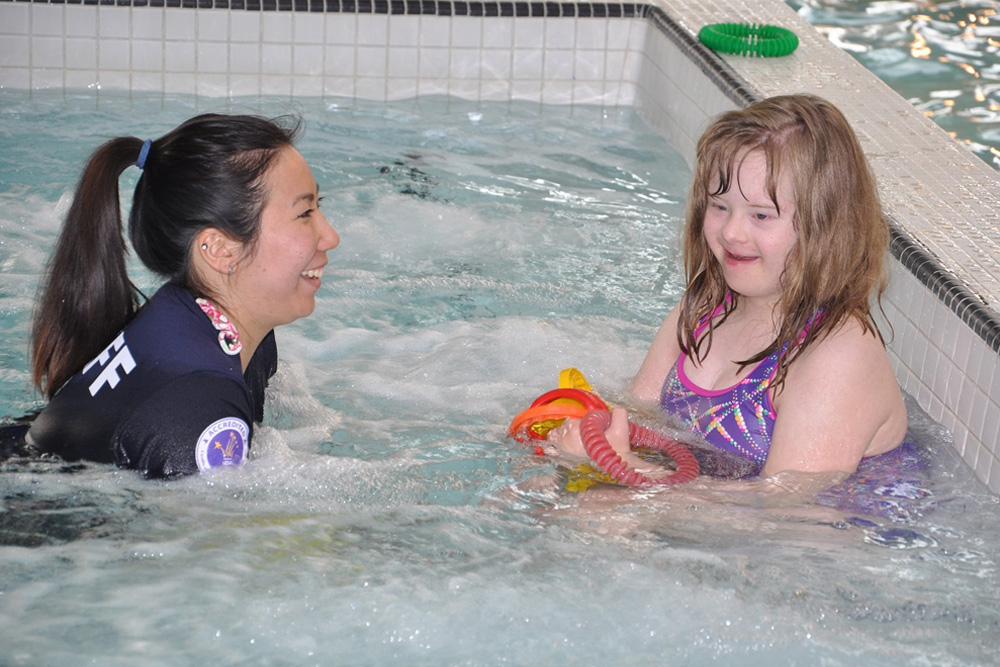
column 840, row 403
column 662, row 354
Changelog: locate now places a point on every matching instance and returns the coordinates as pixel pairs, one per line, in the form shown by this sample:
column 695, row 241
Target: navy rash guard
column 163, row 398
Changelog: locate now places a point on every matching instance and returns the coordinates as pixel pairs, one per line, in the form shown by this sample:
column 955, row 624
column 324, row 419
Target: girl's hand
column 565, row 439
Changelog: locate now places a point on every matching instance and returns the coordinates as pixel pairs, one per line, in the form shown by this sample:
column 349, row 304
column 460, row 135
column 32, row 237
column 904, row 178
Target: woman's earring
column 204, row 246
column 230, row 270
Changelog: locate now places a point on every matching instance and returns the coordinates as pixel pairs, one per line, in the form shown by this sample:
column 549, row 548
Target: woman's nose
column 329, row 238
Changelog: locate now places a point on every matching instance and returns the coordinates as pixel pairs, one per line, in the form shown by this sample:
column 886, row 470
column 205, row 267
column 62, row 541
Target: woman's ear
column 217, row 250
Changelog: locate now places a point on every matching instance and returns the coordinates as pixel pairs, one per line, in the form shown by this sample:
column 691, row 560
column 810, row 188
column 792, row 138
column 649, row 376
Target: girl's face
column 279, row 281
column 747, row 235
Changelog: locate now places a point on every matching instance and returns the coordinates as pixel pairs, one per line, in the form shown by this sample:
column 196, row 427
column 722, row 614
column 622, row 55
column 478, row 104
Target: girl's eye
column 319, row 202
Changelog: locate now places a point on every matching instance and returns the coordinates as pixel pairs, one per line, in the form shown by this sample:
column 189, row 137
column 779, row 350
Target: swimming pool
column 943, row 57
column 384, row 516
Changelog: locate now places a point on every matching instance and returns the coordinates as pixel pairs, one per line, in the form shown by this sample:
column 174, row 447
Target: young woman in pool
column 227, row 211
column 773, row 353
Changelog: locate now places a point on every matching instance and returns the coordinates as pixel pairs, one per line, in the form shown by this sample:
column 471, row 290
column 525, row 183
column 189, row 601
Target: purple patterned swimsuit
column 739, row 419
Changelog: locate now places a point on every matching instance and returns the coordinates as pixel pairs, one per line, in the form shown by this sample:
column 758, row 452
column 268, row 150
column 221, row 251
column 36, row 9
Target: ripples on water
column 944, row 57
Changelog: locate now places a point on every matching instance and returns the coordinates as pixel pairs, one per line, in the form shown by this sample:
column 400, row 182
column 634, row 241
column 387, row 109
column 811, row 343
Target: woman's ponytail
column 86, row 296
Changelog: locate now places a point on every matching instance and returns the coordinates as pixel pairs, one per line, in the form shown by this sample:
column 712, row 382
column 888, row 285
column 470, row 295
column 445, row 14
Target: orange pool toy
column 574, row 399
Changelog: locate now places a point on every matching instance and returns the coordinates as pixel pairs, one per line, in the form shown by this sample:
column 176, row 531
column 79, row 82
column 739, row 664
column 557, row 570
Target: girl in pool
column 773, row 353
column 227, row 211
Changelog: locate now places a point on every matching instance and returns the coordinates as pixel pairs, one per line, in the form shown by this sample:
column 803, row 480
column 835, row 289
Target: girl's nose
column 734, row 229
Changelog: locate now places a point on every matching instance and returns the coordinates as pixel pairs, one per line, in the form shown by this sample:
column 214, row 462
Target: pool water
column 944, row 57
column 384, row 515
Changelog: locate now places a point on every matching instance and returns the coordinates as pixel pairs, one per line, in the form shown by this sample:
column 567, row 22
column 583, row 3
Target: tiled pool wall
column 946, row 276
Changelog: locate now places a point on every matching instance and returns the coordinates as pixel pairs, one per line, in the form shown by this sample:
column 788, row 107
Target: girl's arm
column 662, row 354
column 840, row 403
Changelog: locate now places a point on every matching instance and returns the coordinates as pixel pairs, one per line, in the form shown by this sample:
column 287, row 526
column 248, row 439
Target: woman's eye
column 319, row 202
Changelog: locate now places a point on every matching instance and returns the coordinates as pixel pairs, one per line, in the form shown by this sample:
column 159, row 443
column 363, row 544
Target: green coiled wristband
column 749, row 39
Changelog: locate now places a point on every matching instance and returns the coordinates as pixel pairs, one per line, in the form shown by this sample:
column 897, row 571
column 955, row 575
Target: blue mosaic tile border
column 432, row 7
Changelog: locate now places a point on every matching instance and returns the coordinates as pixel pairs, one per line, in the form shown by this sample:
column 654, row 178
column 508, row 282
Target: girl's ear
column 218, row 250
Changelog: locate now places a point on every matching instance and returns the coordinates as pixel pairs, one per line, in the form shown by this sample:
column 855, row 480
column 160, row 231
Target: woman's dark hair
column 208, row 172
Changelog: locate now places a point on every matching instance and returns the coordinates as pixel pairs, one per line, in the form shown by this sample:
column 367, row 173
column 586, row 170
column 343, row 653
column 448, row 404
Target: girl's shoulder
column 845, row 382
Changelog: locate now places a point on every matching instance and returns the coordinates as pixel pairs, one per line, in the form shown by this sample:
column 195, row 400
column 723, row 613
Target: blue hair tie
column 143, row 154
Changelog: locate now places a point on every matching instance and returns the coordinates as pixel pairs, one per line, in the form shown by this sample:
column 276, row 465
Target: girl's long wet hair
column 838, row 261
column 208, row 172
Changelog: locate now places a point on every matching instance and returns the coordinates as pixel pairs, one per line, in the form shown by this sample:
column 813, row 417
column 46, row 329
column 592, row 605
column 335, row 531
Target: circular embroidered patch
column 223, row 443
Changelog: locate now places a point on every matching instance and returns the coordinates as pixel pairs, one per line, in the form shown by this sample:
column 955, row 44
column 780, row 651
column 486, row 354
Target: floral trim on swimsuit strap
column 229, row 337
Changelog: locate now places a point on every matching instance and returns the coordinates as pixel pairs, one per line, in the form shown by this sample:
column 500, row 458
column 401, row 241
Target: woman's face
column 277, row 284
column 745, row 231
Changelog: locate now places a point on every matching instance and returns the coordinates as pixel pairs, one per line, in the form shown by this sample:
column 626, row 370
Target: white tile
column 528, row 64
column 529, row 35
column 147, row 81
column 401, row 88
column 15, row 52
column 464, row 64
column 147, row 57
column 213, row 25
column 434, row 63
column 212, row 85
column 560, row 65
column 497, row 89
column 307, row 86
column 341, row 29
column 15, row 19
column 338, row 86
column 467, row 89
column 466, row 32
column 180, row 25
column 427, row 86
column 404, row 62
column 81, row 21
column 404, row 30
column 497, row 64
column 48, row 78
column 276, row 28
column 557, row 92
column 113, row 54
column 372, row 62
column 46, row 20
column 526, row 89
column 592, row 33
column 183, row 60
column 244, row 27
column 276, row 59
column 560, row 33
column 213, row 58
column 307, row 61
column 435, row 31
column 241, row 58
column 148, row 25
column 239, row 85
column 81, row 53
column 115, row 79
column 372, row 30
column 82, row 78
column 370, row 88
column 499, row 34
column 114, row 22
column 47, row 53
column 180, row 81
column 276, row 84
